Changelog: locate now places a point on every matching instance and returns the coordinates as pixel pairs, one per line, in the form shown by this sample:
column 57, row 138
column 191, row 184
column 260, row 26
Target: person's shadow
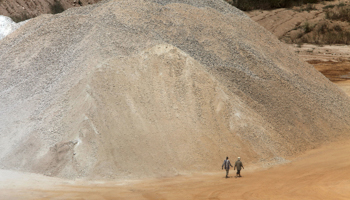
column 233, row 177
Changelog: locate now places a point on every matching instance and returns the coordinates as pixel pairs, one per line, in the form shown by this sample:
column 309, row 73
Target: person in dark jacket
column 239, row 165
column 227, row 165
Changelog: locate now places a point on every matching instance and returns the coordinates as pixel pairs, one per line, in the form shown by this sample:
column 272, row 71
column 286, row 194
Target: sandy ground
column 345, row 86
column 335, row 64
column 334, row 53
column 318, row 174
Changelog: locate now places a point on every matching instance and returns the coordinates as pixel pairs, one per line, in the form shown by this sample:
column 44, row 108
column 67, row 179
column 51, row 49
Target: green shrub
column 337, row 28
column 20, row 17
column 307, row 27
column 56, row 7
column 309, row 7
column 328, row 7
column 322, row 28
column 247, row 5
column 321, row 34
column 340, row 14
column 341, row 4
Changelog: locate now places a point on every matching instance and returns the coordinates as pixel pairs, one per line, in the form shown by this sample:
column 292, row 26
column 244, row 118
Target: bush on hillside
column 322, row 33
column 21, row 17
column 307, row 27
column 247, row 5
column 56, row 7
column 340, row 13
column 328, row 7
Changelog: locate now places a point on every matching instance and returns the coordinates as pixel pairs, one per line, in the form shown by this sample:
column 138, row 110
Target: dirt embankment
column 322, row 23
column 20, row 10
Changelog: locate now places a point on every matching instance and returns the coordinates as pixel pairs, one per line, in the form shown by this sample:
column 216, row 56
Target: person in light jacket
column 239, row 165
column 227, row 165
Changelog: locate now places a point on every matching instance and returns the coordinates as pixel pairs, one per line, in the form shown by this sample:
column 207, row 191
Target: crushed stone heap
column 132, row 89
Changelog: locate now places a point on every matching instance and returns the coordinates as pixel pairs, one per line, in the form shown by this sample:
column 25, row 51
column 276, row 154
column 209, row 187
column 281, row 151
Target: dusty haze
column 125, row 89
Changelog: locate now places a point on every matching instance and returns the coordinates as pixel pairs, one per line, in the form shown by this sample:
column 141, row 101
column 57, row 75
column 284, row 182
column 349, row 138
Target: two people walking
column 238, row 165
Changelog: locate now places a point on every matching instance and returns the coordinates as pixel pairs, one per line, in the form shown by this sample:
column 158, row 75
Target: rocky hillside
column 125, row 89
column 323, row 23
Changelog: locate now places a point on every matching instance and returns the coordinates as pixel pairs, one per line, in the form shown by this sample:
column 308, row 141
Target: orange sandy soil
column 337, row 72
column 321, row 173
column 333, row 61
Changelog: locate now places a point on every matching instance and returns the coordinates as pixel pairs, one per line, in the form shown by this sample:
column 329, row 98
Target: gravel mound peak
column 130, row 89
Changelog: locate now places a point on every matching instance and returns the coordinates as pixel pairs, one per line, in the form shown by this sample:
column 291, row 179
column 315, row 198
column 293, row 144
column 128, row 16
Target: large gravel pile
column 125, row 89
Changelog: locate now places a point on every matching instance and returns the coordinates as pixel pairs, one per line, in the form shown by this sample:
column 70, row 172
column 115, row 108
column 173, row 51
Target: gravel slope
column 125, row 89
